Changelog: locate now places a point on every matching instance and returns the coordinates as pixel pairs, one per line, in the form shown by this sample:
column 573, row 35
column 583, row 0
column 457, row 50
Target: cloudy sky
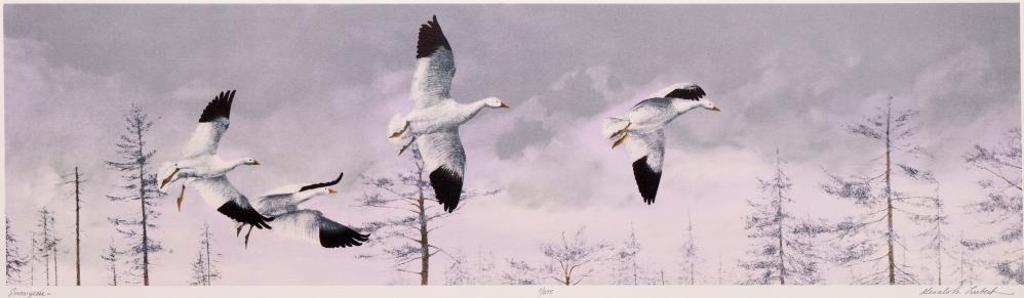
column 317, row 83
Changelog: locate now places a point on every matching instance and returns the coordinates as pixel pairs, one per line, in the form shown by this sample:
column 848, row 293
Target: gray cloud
column 524, row 133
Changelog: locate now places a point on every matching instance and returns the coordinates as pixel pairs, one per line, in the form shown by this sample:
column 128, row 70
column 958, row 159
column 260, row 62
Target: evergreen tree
column 872, row 236
column 112, row 256
column 1003, row 205
column 690, row 257
column 406, row 236
column 140, row 187
column 15, row 261
column 627, row 270
column 781, row 253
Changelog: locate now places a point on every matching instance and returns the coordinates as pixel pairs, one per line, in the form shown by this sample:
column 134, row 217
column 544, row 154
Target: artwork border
column 549, row 291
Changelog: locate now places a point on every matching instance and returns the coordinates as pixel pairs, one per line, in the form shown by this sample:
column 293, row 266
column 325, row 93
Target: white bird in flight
column 306, row 224
column 204, row 170
column 433, row 125
column 642, row 130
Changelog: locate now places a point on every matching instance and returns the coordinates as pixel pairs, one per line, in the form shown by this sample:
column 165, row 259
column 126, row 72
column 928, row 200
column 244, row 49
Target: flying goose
column 433, row 124
column 306, row 224
column 205, row 171
column 642, row 131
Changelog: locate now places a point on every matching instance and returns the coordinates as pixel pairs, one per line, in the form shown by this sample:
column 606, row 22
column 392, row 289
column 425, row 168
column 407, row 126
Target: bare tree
column 112, row 255
column 1003, row 205
column 204, row 270
column 478, row 270
column 872, row 236
column 406, row 236
column 458, row 273
column 721, row 278
column 936, row 238
column 199, row 270
column 781, row 252
column 964, row 270
column 627, row 265
column 46, row 246
column 15, row 261
column 572, row 260
column 75, row 178
column 690, row 257
column 520, row 272
column 135, row 160
column 33, row 257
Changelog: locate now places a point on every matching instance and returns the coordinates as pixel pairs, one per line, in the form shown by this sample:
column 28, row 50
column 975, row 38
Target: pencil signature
column 544, row 291
column 16, row 292
column 961, row 290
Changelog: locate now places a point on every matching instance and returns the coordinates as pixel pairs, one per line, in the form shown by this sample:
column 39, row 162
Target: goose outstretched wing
column 445, row 159
column 647, row 150
column 312, row 226
column 212, row 124
column 220, row 193
column 688, row 91
column 435, row 66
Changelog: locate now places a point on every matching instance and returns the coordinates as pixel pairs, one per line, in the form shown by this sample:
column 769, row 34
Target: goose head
column 494, row 102
column 708, row 105
column 249, row 161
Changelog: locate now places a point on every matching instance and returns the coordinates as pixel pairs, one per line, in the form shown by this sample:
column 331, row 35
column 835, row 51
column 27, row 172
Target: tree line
column 783, row 248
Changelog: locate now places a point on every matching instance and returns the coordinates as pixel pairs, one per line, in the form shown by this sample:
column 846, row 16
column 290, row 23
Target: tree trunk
column 778, row 214
column 142, row 202
column 206, row 234
column 888, row 193
column 939, row 255
column 55, row 280
column 78, row 239
column 692, row 279
column 113, row 268
column 424, row 244
column 46, row 243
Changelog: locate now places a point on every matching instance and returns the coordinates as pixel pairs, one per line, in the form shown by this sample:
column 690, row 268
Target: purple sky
column 317, row 84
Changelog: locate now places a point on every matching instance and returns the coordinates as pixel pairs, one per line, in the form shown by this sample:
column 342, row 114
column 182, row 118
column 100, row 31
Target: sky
column 317, row 84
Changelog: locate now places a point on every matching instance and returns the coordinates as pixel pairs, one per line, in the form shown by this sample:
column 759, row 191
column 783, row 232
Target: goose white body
column 309, row 225
column 642, row 130
column 433, row 124
column 206, row 172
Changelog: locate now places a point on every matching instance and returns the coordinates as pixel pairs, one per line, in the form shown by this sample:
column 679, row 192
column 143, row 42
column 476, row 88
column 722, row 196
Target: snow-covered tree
column 457, row 273
column 871, row 237
column 780, row 251
column 204, row 269
column 33, row 257
column 963, row 268
column 573, row 260
column 135, row 159
column 627, row 269
column 1003, row 204
column 46, row 247
column 76, row 180
column 520, row 272
column 15, row 261
column 937, row 240
column 689, row 255
column 112, row 256
column 405, row 237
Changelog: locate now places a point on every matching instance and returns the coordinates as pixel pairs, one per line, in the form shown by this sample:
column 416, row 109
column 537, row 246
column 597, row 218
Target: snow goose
column 433, row 124
column 205, row 171
column 642, row 131
column 305, row 224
